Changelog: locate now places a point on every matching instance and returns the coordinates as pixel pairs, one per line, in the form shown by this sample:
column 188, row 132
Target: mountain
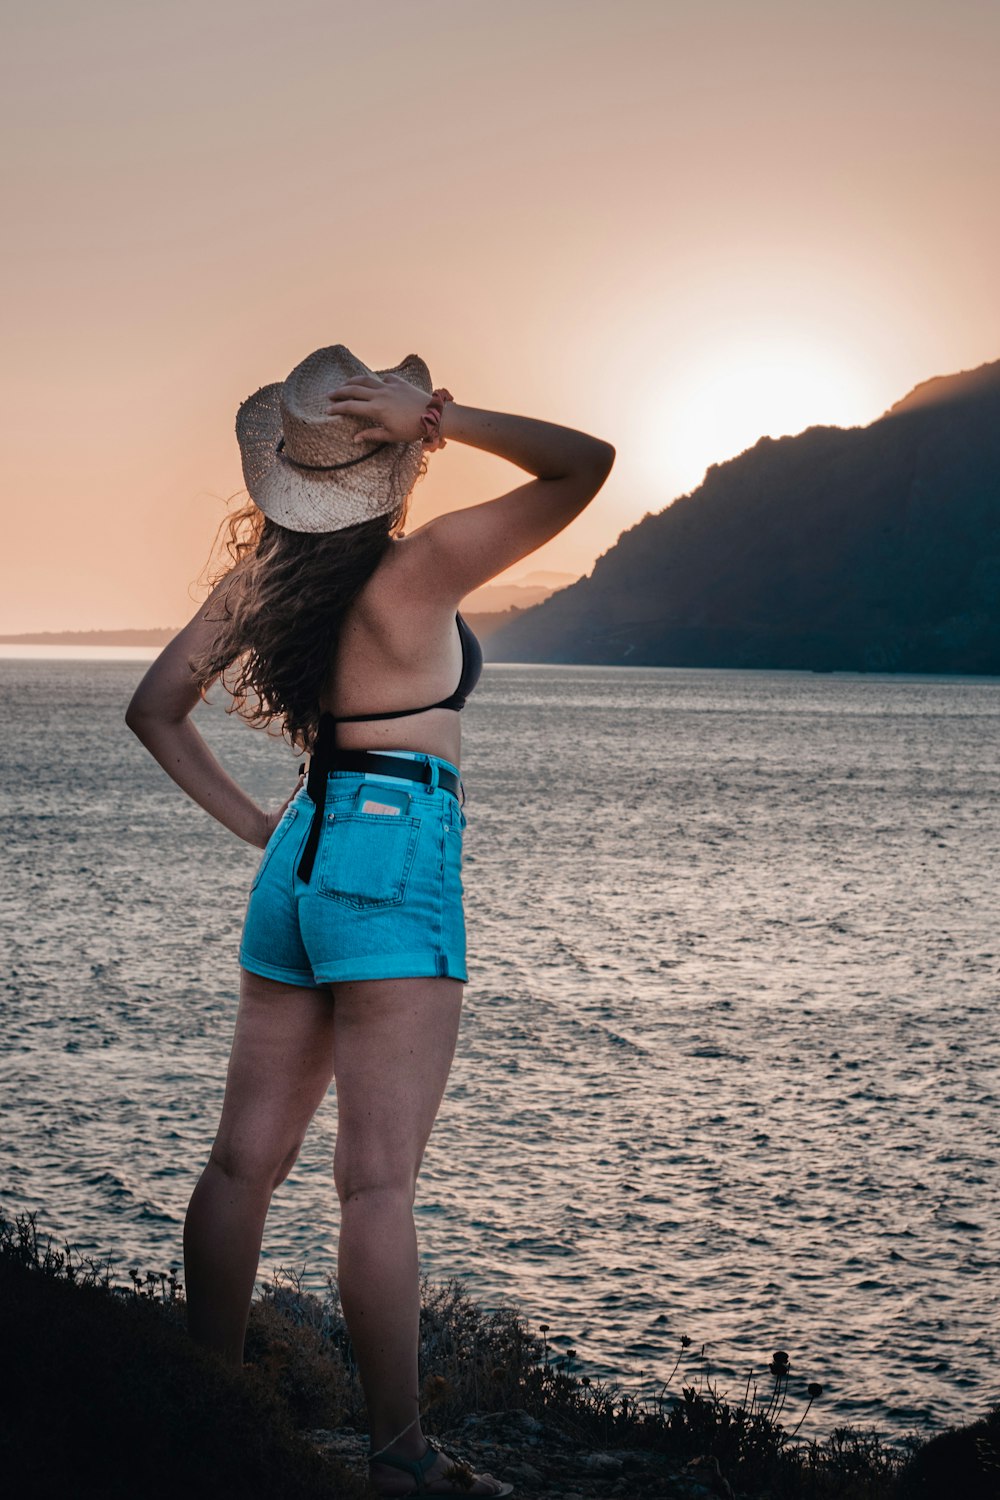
column 862, row 549
column 485, row 623
column 546, row 578
column 528, row 590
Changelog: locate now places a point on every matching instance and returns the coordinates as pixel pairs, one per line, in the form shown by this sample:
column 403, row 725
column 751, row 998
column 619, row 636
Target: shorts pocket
column 284, row 823
column 366, row 858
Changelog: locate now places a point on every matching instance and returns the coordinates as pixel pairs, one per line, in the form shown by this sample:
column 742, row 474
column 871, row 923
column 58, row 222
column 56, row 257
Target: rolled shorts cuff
column 394, row 966
column 302, row 977
column 420, row 965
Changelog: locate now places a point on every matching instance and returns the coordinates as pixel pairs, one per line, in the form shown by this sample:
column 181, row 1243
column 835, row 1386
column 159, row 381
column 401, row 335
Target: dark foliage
column 964, row 1461
column 104, row 1397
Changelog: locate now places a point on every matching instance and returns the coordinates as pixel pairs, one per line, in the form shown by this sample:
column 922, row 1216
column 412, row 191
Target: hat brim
column 302, row 501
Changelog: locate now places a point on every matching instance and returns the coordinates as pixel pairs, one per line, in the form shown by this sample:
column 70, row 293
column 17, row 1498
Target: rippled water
column 730, row 1058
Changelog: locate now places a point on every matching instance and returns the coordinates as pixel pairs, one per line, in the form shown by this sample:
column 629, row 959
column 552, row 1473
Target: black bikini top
column 472, row 666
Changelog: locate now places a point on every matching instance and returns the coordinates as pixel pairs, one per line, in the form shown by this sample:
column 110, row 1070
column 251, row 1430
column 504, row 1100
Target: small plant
column 156, row 1286
column 21, row 1245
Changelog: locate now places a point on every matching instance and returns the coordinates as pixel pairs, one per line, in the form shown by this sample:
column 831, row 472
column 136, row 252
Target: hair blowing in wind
column 280, row 617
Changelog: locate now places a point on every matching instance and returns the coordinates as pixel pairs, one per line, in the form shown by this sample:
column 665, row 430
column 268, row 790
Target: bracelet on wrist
column 431, row 420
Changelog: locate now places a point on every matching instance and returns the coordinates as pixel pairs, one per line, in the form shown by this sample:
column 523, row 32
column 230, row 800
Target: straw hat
column 302, row 468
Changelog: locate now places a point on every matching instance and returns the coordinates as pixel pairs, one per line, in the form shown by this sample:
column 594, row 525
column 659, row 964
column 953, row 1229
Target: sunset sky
column 677, row 225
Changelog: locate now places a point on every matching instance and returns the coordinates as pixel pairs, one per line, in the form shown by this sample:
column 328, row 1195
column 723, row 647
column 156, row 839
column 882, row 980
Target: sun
column 729, row 397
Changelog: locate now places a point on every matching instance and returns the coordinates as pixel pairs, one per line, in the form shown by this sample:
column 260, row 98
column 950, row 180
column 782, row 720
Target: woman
column 342, row 628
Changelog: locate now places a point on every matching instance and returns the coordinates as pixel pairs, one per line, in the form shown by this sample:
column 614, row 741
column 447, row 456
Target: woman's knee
column 261, row 1164
column 359, row 1174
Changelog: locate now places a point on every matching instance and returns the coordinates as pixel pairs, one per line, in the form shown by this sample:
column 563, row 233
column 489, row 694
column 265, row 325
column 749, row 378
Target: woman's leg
column 279, row 1070
column 395, row 1039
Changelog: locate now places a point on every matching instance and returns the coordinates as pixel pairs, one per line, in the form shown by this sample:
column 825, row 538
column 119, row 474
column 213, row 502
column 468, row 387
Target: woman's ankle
column 411, row 1447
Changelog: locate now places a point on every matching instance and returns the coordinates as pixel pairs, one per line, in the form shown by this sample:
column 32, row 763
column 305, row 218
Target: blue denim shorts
column 385, row 898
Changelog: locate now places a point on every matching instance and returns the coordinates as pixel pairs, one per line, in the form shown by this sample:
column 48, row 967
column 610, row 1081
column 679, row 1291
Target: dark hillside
column 874, row 548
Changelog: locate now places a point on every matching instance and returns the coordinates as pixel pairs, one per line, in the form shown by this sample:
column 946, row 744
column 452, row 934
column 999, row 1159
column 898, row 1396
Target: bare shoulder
column 401, row 599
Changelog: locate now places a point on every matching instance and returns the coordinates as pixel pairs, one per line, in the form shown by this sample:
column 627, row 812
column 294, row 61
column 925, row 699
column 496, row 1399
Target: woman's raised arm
column 453, row 554
column 457, row 552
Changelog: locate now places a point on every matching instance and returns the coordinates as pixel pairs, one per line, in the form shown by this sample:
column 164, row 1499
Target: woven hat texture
column 297, row 411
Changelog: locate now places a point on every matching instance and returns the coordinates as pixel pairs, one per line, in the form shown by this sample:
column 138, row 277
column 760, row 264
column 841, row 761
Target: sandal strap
column 417, row 1467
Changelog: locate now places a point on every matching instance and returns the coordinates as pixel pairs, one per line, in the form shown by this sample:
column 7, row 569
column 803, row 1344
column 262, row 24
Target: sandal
column 460, row 1478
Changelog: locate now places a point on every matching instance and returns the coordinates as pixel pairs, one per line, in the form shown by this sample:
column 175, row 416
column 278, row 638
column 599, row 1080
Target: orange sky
column 676, row 225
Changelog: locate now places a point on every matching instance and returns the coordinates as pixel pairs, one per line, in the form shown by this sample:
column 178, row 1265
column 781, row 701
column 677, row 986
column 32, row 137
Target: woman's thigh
column 394, row 1044
column 280, row 1068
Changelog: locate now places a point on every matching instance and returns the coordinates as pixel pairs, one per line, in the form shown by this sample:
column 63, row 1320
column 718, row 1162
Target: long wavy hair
column 280, row 618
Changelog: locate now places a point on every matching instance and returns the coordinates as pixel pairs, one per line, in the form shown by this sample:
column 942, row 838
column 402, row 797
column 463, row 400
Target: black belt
column 324, row 759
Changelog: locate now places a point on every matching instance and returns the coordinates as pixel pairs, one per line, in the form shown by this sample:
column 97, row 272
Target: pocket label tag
column 383, row 801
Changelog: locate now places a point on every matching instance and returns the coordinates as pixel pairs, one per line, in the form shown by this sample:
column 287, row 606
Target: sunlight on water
column 730, row 1063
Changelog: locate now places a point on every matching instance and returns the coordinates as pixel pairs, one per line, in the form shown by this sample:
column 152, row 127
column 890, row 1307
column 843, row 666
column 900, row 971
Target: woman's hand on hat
column 391, row 405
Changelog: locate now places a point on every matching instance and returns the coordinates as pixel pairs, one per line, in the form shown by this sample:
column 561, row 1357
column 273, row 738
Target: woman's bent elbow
column 133, row 716
column 604, row 457
column 139, row 716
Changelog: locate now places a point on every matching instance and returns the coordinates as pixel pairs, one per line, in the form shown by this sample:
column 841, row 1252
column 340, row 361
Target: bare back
column 399, row 647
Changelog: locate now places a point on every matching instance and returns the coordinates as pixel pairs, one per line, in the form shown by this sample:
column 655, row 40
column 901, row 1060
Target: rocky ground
column 541, row 1461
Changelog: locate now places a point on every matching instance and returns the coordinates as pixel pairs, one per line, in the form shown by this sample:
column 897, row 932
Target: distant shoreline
column 483, row 623
column 91, row 637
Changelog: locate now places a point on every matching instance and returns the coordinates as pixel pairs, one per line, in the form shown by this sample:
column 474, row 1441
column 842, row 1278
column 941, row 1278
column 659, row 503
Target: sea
column 728, row 1078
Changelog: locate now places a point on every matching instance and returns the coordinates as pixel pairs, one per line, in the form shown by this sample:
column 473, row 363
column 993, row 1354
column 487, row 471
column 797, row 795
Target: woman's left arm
column 159, row 715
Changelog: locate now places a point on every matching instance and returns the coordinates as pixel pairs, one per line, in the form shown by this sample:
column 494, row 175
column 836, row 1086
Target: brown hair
column 278, row 633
